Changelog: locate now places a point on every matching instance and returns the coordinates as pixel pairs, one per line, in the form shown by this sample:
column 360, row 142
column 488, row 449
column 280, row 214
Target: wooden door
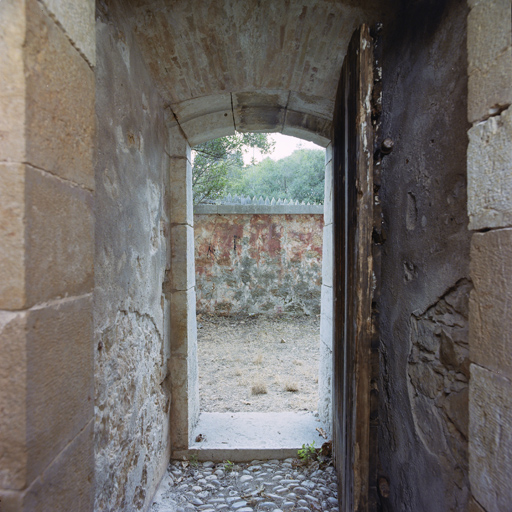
column 353, row 142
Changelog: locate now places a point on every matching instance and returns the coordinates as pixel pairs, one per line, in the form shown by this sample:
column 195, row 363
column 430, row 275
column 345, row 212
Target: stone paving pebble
column 276, row 486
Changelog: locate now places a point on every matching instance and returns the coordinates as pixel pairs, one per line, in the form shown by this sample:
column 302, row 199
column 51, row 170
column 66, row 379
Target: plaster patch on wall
column 258, row 264
column 438, row 373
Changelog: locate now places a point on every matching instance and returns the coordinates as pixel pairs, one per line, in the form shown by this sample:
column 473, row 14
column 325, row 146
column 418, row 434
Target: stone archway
column 181, row 292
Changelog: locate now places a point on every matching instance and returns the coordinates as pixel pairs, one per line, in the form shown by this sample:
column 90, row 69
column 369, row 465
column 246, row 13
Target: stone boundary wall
column 258, row 259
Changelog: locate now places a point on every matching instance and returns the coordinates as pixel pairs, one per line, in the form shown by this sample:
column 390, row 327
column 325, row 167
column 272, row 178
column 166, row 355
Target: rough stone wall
column 132, row 251
column 438, row 378
column 425, row 271
column 490, row 213
column 258, row 264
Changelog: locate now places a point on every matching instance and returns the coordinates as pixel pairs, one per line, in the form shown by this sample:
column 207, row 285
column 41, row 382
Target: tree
column 304, row 171
column 218, row 161
column 298, row 177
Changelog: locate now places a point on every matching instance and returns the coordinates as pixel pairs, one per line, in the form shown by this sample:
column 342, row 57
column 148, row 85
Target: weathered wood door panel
column 353, row 224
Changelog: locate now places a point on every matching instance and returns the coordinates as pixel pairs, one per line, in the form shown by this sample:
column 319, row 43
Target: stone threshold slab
column 246, row 436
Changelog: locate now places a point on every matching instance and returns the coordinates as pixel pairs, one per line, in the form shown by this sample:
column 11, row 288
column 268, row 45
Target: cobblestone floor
column 247, row 487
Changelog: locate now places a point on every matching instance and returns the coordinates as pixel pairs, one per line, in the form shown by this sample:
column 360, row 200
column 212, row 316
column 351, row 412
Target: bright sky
column 285, row 145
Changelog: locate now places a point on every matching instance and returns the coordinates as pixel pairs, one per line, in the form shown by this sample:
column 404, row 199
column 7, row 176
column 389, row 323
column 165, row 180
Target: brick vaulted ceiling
column 249, row 65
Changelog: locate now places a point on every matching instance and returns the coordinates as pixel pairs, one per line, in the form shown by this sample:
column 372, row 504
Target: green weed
column 307, row 452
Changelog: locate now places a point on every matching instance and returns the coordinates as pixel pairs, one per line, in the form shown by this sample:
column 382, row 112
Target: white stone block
column 328, row 153
column 490, row 338
column 259, row 119
column 181, row 198
column 328, row 193
column 203, row 105
column 326, row 318
column 489, row 91
column 490, row 439
column 178, row 145
column 308, row 127
column 489, row 57
column 183, row 324
column 77, row 19
column 12, row 82
column 208, row 127
column 183, row 368
column 12, row 236
column 69, row 479
column 193, row 376
column 309, row 104
column 327, row 256
column 13, row 402
column 182, row 257
column 276, row 98
column 261, row 111
column 490, row 173
column 489, row 32
column 326, row 363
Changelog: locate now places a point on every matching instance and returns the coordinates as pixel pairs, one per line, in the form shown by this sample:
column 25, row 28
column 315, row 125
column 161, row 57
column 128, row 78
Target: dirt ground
column 258, row 364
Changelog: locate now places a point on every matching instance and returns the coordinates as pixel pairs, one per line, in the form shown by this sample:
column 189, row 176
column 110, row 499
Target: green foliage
column 219, row 169
column 218, row 161
column 307, row 452
column 300, row 176
column 228, row 466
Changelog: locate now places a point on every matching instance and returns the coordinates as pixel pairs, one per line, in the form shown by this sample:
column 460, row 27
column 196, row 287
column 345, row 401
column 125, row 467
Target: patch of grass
column 292, row 387
column 259, row 389
column 228, row 466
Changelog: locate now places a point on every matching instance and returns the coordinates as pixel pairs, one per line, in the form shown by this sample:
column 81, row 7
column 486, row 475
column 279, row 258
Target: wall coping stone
column 251, row 209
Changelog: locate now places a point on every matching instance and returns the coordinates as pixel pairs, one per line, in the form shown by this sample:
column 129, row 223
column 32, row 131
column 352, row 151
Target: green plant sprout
column 307, row 452
column 228, row 466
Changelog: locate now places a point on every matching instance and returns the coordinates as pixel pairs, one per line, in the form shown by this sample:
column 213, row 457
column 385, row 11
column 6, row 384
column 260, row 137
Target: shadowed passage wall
column 425, row 260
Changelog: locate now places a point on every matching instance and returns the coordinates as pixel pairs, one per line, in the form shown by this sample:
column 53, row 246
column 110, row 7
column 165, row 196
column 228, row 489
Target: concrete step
column 246, row 436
